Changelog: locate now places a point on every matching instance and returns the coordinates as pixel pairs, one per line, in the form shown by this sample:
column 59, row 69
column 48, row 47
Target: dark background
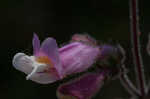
column 105, row 20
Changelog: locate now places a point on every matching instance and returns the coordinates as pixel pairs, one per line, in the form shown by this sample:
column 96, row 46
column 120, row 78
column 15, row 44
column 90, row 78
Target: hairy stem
column 134, row 18
column 126, row 82
column 124, row 79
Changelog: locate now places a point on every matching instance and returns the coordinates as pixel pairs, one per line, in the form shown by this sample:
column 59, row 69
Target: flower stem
column 128, row 85
column 126, row 82
column 124, row 79
column 134, row 18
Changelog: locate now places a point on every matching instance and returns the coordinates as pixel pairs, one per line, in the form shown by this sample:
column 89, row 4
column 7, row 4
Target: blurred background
column 105, row 20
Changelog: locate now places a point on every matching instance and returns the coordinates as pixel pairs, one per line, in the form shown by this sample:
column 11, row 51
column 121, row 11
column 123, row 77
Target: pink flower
column 50, row 63
column 82, row 88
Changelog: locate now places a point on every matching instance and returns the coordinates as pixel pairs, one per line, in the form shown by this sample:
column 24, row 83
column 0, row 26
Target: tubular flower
column 50, row 63
column 81, row 88
column 44, row 66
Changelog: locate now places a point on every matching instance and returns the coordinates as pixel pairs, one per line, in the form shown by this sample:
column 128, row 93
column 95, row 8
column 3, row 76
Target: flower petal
column 69, row 46
column 50, row 48
column 44, row 78
column 81, row 88
column 77, row 57
column 34, row 70
column 22, row 63
column 36, row 44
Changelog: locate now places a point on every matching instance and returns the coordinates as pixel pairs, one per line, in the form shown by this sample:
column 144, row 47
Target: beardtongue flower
column 82, row 88
column 44, row 66
column 50, row 63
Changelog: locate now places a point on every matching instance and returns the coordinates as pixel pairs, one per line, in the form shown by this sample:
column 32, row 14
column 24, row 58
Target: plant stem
column 124, row 79
column 134, row 18
column 126, row 82
column 128, row 85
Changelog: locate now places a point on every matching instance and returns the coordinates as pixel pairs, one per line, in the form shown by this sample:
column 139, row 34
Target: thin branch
column 134, row 18
column 126, row 82
column 128, row 85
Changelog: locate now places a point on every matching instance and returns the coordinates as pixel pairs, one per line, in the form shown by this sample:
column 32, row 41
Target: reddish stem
column 136, row 46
